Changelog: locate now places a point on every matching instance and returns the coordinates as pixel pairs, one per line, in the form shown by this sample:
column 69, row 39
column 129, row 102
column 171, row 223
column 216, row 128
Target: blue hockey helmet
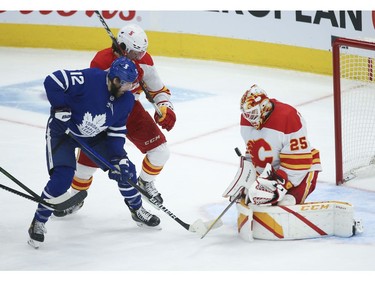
column 124, row 69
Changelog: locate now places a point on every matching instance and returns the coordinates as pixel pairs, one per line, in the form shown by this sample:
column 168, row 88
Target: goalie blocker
column 303, row 221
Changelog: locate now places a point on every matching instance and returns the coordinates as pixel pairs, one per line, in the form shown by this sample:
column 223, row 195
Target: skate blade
column 33, row 243
column 143, row 225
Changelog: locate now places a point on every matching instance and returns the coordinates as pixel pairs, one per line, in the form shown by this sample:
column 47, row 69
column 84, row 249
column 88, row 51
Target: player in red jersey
column 277, row 146
column 142, row 129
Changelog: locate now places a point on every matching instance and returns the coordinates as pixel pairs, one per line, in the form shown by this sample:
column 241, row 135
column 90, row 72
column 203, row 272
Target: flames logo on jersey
column 259, row 151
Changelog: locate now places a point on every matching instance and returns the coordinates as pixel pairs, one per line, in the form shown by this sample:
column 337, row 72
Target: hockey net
column 354, row 108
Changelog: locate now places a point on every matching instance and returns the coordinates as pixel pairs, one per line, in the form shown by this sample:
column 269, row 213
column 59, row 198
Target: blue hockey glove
column 60, row 119
column 63, row 114
column 125, row 170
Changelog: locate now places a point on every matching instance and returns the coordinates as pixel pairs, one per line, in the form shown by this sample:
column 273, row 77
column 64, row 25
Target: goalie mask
column 133, row 38
column 256, row 106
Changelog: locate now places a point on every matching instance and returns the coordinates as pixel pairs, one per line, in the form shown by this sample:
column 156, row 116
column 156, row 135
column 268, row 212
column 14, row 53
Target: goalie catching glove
column 269, row 188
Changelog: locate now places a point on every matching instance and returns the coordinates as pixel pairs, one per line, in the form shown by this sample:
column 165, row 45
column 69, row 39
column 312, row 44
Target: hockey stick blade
column 201, row 227
column 57, row 203
column 72, row 201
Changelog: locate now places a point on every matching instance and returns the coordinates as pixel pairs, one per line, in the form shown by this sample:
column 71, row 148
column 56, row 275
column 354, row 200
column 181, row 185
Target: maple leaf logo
column 90, row 126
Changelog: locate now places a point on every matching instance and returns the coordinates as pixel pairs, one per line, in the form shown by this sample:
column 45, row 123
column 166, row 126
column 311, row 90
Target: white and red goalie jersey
column 281, row 141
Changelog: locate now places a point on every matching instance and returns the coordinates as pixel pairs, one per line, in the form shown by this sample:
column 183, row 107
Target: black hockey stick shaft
column 27, row 196
column 103, row 163
column 19, row 183
column 238, row 152
column 160, row 206
column 119, row 49
column 77, row 198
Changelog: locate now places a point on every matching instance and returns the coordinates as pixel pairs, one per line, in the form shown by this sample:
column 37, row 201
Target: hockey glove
column 245, row 177
column 63, row 114
column 168, row 118
column 125, row 170
column 61, row 119
column 269, row 188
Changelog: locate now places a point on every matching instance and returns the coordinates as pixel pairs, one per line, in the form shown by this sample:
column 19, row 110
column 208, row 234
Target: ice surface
column 102, row 236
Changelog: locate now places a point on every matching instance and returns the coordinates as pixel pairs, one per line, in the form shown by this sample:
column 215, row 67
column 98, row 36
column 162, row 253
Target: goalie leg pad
column 303, row 221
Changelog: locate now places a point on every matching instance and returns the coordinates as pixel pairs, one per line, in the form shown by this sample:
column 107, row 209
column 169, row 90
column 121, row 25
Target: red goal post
column 354, row 108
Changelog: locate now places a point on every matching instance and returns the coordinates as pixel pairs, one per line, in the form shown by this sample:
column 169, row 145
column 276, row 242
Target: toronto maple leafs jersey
column 94, row 109
column 283, row 142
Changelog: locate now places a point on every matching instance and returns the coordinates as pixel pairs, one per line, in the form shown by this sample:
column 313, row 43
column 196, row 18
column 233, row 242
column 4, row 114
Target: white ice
column 103, row 237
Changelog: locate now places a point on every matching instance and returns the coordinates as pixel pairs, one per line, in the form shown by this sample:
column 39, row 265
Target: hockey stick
column 119, row 49
column 198, row 226
column 65, row 204
column 238, row 152
column 59, row 203
column 19, row 183
column 222, row 213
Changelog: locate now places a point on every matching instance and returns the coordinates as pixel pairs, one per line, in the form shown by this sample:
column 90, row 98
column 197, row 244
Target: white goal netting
column 357, row 84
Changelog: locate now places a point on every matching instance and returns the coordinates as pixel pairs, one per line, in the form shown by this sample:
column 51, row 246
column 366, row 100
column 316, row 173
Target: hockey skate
column 143, row 218
column 36, row 233
column 357, row 227
column 152, row 192
column 68, row 211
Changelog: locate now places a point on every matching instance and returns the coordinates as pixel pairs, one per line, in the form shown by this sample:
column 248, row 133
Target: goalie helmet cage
column 354, row 108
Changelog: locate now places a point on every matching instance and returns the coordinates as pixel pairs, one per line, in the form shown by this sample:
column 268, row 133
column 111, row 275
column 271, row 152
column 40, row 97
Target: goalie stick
column 238, row 152
column 59, row 203
column 222, row 214
column 198, row 226
column 119, row 49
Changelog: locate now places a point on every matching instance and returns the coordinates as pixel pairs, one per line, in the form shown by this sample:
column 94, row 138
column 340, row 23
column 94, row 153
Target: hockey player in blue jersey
column 93, row 105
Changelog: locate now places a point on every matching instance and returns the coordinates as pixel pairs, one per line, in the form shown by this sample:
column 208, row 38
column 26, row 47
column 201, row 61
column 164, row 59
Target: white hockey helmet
column 133, row 38
column 256, row 106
